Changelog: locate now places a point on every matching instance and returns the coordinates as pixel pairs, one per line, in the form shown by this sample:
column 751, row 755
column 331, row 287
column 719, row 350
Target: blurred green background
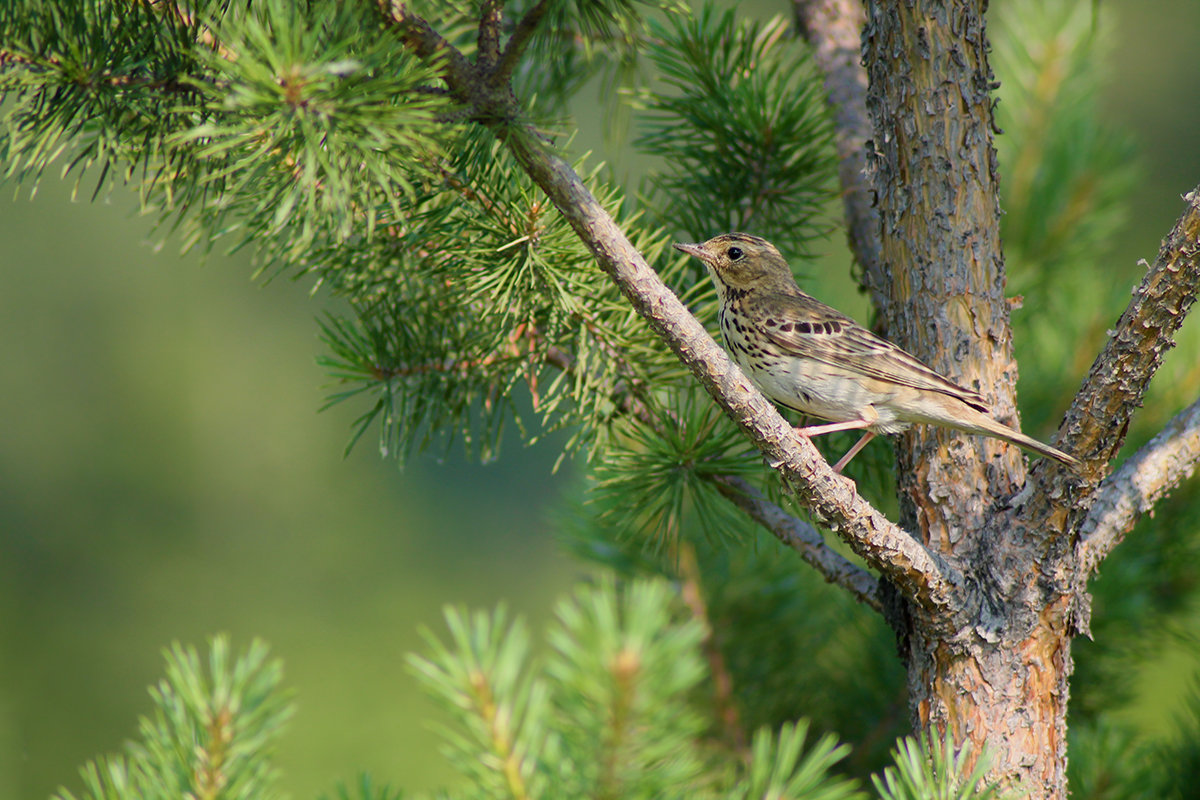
column 165, row 475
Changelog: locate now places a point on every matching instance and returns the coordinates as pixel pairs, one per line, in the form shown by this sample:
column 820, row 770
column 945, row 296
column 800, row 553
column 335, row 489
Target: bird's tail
column 982, row 423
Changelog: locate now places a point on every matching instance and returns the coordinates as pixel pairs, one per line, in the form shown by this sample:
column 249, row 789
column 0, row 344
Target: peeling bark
column 999, row 675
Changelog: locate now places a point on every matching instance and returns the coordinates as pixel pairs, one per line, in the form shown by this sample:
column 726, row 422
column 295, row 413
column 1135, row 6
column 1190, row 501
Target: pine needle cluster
column 609, row 711
column 212, row 734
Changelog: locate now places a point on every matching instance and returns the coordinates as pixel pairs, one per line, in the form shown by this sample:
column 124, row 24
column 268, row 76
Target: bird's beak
column 691, row 249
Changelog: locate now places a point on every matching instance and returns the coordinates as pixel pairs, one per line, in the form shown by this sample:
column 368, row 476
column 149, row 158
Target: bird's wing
column 806, row 327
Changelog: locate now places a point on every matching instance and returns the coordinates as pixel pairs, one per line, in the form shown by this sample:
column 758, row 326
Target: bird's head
column 742, row 261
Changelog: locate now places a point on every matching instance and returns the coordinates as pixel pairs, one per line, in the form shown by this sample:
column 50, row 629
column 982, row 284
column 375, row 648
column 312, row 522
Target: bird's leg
column 817, row 430
column 853, row 451
column 850, row 425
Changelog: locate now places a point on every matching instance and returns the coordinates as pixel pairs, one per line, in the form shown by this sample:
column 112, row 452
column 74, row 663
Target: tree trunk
column 1008, row 696
column 996, row 672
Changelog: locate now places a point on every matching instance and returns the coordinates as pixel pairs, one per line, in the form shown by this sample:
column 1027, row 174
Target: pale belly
column 819, row 390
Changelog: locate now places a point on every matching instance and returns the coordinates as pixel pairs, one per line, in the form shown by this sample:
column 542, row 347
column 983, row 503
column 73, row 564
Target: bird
column 813, row 359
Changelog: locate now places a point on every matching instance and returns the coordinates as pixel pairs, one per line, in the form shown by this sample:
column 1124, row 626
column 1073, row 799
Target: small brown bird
column 813, row 359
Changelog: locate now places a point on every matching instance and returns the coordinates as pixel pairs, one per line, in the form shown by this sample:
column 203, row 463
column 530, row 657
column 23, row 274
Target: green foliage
column 613, row 709
column 746, row 137
column 777, row 769
column 656, row 479
column 625, row 663
column 1066, row 177
column 94, row 84
column 928, row 771
column 310, row 122
column 500, row 708
column 211, row 736
column 486, row 290
column 291, row 124
column 607, row 715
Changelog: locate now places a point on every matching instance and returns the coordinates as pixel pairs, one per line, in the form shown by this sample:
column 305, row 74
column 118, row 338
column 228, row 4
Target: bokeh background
column 165, row 475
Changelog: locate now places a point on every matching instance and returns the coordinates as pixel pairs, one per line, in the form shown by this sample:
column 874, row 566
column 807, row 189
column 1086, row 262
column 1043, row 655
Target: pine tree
column 415, row 160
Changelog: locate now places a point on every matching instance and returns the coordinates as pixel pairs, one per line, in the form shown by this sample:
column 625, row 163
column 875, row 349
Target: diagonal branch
column 834, row 30
column 489, row 34
column 1096, row 424
column 519, row 39
column 1148, row 476
column 804, row 539
column 921, row 574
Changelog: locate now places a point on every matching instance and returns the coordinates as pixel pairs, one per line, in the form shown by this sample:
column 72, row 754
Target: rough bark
column 997, row 677
column 1137, row 486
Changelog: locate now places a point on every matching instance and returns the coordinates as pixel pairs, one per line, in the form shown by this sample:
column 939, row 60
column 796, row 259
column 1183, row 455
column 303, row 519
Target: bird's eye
column 735, row 253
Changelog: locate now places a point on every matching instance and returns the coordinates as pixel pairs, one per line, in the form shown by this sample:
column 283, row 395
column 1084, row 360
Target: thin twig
column 489, row 35
column 804, row 539
column 834, row 30
column 1148, row 476
column 518, row 41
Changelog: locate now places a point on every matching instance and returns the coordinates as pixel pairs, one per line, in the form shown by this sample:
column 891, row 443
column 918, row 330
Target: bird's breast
column 804, row 384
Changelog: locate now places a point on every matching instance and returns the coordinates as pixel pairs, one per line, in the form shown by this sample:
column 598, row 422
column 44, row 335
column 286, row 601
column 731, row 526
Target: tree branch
column 1098, row 420
column 1148, row 476
column 489, row 34
column 834, row 30
column 919, row 573
column 1096, row 424
column 804, row 539
column 427, row 43
column 519, row 39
